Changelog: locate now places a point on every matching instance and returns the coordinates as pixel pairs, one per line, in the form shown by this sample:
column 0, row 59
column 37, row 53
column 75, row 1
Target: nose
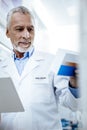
column 26, row 34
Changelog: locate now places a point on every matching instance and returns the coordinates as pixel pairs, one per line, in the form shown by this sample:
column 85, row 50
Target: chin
column 22, row 50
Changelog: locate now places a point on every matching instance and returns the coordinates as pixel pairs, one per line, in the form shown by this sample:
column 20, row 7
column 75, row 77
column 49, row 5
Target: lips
column 24, row 44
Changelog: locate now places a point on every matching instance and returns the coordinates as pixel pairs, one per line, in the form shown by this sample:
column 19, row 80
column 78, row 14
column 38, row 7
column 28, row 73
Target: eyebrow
column 17, row 26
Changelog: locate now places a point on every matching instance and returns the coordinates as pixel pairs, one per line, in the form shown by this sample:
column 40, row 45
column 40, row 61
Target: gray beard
column 21, row 50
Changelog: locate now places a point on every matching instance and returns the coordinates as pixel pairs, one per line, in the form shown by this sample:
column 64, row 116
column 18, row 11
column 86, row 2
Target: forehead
column 20, row 18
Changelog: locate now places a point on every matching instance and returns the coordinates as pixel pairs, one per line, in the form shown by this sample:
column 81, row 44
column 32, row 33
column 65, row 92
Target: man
column 39, row 89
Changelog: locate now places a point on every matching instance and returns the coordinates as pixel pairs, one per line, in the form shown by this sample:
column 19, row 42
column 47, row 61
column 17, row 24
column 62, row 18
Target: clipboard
column 9, row 98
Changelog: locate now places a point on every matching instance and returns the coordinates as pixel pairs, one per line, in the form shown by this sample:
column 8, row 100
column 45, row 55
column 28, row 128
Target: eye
column 19, row 29
column 30, row 29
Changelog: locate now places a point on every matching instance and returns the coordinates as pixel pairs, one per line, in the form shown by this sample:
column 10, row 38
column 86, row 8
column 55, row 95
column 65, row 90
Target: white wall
column 66, row 37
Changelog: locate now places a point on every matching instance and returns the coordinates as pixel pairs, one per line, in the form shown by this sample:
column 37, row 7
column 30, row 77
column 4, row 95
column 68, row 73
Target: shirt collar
column 26, row 54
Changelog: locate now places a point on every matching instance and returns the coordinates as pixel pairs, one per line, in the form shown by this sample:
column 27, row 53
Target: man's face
column 21, row 31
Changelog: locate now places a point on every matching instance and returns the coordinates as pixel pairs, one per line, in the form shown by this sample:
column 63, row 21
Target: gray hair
column 20, row 9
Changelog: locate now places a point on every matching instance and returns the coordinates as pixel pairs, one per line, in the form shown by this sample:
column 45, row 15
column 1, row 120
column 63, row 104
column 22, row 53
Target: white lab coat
column 36, row 90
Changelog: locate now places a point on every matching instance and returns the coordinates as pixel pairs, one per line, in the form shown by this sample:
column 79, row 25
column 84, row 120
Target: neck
column 19, row 54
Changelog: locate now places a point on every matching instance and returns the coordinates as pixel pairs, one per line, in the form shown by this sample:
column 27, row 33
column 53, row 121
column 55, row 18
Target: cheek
column 14, row 41
column 32, row 37
column 14, row 37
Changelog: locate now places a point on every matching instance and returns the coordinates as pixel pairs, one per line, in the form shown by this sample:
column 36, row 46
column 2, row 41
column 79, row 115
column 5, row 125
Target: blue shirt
column 20, row 62
column 75, row 92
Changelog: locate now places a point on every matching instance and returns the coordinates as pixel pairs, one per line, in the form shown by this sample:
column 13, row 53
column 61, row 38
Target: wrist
column 70, row 85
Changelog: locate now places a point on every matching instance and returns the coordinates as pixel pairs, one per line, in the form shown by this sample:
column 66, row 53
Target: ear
column 7, row 33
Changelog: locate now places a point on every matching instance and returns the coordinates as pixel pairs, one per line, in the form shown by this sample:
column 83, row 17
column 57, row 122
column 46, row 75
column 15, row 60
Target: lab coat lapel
column 32, row 63
column 10, row 68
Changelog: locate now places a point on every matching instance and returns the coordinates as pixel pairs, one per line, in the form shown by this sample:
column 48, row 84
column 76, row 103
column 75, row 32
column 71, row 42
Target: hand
column 74, row 80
